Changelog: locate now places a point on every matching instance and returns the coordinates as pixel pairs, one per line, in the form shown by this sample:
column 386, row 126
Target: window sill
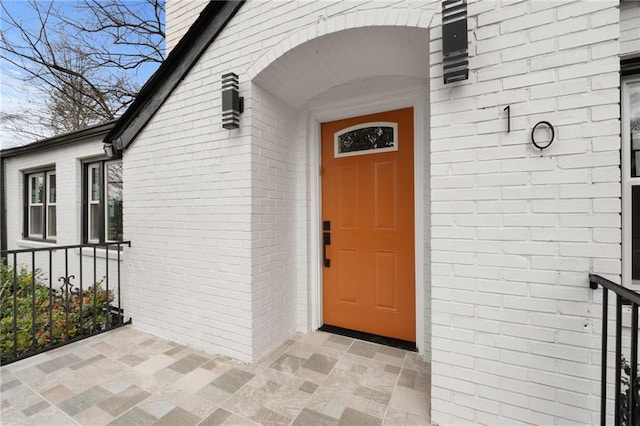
column 35, row 243
column 101, row 253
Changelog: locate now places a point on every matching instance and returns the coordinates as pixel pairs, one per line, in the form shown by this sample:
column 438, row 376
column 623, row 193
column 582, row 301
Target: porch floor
column 128, row 377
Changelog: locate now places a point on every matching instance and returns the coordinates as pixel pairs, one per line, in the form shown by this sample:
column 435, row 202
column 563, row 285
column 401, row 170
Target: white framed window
column 103, row 202
column 631, row 181
column 366, row 138
column 40, row 205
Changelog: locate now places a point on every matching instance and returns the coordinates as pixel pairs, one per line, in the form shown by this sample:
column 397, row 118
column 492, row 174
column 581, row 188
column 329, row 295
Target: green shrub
column 56, row 316
column 625, row 394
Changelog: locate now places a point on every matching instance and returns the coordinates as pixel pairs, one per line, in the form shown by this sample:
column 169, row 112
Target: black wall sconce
column 110, row 151
column 454, row 40
column 232, row 102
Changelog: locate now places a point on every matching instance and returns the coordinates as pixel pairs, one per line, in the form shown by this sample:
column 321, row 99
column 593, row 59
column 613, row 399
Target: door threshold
column 373, row 338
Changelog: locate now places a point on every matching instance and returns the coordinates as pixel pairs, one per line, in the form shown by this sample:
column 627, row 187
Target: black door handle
column 326, row 241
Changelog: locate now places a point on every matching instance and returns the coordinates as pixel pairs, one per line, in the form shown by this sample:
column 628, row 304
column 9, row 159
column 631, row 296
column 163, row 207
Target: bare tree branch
column 85, row 63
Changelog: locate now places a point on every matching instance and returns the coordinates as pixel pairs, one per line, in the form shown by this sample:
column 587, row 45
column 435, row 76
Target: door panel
column 367, row 195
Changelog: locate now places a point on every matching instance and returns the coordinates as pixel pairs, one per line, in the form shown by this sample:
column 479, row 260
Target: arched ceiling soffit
column 308, row 68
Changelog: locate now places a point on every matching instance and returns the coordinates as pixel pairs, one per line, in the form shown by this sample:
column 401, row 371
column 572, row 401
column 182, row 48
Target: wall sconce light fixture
column 232, row 102
column 454, row 40
column 110, row 151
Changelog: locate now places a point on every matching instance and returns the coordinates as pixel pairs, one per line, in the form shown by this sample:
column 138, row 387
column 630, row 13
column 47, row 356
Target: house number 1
column 508, row 109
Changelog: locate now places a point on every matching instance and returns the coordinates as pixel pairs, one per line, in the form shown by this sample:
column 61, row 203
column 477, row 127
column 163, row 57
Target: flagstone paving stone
column 129, row 377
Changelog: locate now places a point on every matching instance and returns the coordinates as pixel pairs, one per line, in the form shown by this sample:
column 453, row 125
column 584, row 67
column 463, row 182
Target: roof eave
column 56, row 141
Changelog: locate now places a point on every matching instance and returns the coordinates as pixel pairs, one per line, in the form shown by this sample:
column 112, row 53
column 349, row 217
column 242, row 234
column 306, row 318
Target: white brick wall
column 179, row 15
column 222, row 247
column 274, row 216
column 516, row 230
column 629, row 27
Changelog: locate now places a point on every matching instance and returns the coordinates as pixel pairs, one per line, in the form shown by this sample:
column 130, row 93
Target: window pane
column 94, row 222
column 52, row 188
column 51, row 221
column 634, row 98
column 114, row 201
column 35, row 220
column 635, row 232
column 95, row 183
column 37, row 188
column 366, row 139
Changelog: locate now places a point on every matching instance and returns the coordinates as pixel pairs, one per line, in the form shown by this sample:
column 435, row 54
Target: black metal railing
column 54, row 296
column 627, row 401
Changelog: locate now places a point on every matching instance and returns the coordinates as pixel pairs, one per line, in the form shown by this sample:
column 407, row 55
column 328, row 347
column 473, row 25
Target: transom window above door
column 366, row 138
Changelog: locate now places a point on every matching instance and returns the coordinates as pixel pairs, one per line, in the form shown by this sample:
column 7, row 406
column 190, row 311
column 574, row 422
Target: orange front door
column 368, row 224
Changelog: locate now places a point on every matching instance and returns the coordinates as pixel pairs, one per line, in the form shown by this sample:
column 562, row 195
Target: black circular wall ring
column 533, row 139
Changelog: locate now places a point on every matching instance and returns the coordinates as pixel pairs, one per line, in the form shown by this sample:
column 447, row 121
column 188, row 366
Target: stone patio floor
column 128, row 377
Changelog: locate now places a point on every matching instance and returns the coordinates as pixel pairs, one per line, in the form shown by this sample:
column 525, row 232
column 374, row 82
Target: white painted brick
column 503, row 396
column 560, row 206
column 580, row 8
column 605, row 81
column 505, row 234
column 595, row 98
column 530, row 79
column 560, row 59
column 502, row 370
column 477, row 403
column 554, row 350
column 503, row 14
column 488, row 31
column 605, row 50
column 530, row 304
column 605, row 112
column 526, row 415
column 559, row 89
column 502, row 206
column 528, row 164
column 606, row 236
column 501, row 71
column 508, row 261
column 488, row 286
column 590, row 160
column 588, row 69
column 556, row 29
column 556, row 234
column 591, row 250
column 597, row 35
column 595, row 190
column 560, row 177
column 579, row 415
column 518, row 23
column 533, row 333
column 538, row 220
column 502, row 315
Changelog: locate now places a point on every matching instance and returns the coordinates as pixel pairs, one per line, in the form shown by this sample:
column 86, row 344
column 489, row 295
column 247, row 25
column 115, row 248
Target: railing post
column 618, row 356
column 633, row 374
column 81, row 330
column 51, row 336
column 95, row 288
column 106, row 280
column 603, row 373
column 15, row 305
column 120, row 319
column 33, row 299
